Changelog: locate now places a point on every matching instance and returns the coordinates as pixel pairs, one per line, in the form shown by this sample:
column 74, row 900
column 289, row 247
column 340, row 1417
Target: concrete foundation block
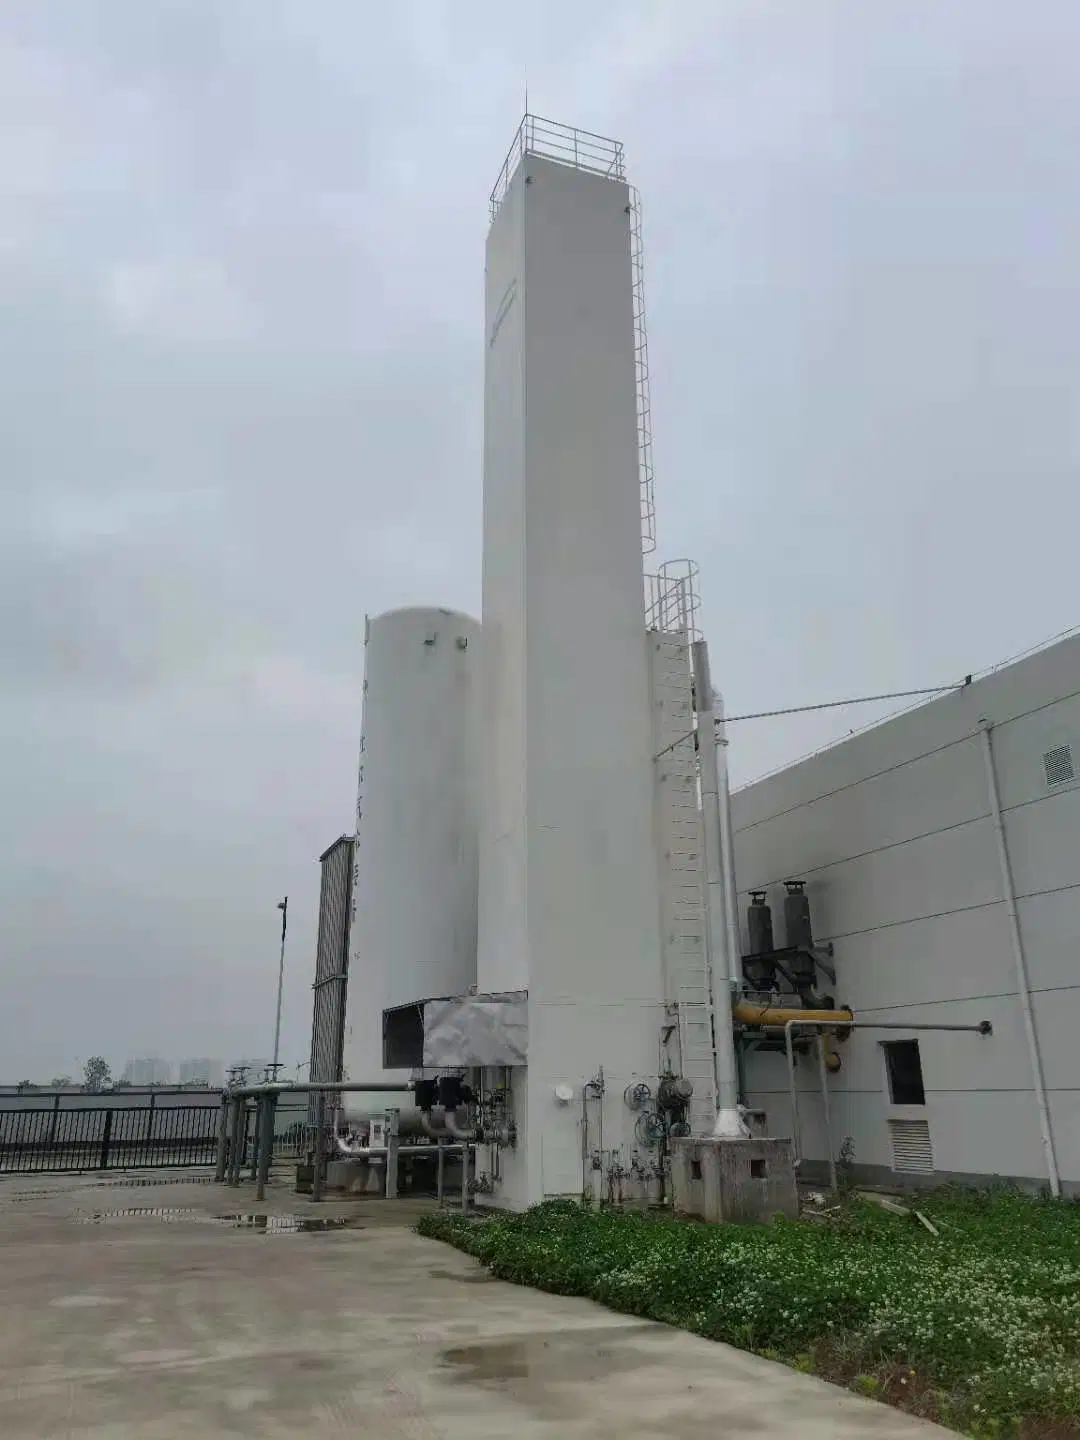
column 356, row 1177
column 742, row 1180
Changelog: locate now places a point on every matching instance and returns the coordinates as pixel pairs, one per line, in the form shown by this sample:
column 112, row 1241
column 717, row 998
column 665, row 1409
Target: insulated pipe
column 1020, row 961
column 380, row 1151
column 266, row 1145
column 717, row 933
column 441, row 1122
column 342, row 1145
column 776, row 1016
column 330, row 1087
column 459, row 1132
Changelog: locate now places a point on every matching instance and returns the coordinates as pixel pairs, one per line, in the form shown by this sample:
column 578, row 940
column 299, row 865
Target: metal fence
column 106, row 1137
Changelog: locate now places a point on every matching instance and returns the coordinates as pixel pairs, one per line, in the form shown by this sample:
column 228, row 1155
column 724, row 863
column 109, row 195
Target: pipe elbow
column 456, row 1131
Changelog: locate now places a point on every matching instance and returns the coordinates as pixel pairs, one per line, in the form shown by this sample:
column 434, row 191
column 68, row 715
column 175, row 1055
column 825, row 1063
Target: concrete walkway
column 145, row 1311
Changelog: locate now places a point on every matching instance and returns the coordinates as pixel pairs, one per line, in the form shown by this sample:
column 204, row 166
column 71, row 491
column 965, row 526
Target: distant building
column 150, row 1071
column 201, row 1072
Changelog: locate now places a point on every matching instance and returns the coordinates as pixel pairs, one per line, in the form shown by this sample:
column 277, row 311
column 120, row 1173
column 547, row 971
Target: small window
column 695, row 1169
column 757, row 1170
column 904, row 1068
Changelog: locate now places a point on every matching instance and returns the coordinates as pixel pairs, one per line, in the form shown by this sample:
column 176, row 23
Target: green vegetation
column 977, row 1327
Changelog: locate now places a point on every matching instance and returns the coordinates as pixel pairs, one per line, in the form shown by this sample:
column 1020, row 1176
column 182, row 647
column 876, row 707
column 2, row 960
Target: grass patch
column 978, row 1328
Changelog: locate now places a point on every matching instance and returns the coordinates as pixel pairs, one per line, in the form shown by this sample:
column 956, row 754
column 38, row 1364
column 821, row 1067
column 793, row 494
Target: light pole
column 283, row 906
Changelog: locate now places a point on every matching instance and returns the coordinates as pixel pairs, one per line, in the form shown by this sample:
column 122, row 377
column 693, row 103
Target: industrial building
column 555, row 927
column 941, row 861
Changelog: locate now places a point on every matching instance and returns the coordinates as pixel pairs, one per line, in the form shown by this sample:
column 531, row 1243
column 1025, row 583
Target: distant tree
column 96, row 1075
column 60, row 1082
column 25, row 1085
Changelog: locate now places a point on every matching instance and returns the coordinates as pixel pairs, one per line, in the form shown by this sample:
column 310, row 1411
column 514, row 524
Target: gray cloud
column 240, row 383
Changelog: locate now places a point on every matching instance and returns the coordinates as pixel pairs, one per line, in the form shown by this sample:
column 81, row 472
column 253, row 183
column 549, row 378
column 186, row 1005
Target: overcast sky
column 241, row 268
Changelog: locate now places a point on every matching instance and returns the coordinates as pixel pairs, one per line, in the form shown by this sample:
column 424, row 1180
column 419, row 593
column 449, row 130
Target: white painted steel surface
column 414, row 885
column 893, row 832
column 568, row 883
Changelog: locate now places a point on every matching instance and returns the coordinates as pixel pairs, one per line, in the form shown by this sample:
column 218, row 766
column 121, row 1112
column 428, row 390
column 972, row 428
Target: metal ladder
column 682, row 903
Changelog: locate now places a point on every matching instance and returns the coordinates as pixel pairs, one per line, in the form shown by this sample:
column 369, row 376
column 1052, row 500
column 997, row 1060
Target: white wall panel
column 1050, row 925
column 946, row 957
column 937, row 792
column 1043, row 845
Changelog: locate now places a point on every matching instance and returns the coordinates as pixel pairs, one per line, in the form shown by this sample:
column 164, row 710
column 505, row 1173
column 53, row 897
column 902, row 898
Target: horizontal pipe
column 777, row 1016
column 981, row 1027
column 368, row 1150
column 336, row 1087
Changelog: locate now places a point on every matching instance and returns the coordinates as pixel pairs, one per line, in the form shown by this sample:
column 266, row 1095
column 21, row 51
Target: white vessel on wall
column 413, row 930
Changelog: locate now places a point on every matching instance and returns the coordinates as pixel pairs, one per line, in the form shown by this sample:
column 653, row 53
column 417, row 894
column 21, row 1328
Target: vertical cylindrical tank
column 413, row 932
column 797, row 924
column 759, row 925
column 758, row 965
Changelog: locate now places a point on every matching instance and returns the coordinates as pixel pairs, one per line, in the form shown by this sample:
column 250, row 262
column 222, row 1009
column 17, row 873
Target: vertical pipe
column 266, row 1151
column 239, row 1132
column 823, row 1074
column 727, row 845
column 283, row 906
column 318, row 1169
column 221, row 1155
column 260, row 1110
column 793, row 1090
column 392, row 1132
column 719, row 962
column 106, row 1138
column 465, row 1151
column 440, row 1170
column 1020, row 960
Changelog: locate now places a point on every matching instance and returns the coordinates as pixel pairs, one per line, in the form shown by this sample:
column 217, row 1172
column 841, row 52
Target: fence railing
column 74, row 1138
column 107, row 1137
column 580, row 149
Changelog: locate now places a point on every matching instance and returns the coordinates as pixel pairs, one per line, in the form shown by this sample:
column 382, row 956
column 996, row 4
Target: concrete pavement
column 183, row 1311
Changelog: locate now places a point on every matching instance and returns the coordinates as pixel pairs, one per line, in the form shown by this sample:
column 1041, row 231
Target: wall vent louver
column 1058, row 766
column 911, row 1149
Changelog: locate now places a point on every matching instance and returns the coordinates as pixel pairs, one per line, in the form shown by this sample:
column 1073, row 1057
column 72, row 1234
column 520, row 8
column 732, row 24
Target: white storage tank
column 413, row 931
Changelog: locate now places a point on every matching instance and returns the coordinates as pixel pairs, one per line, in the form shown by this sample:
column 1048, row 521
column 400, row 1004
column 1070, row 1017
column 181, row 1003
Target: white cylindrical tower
column 413, row 932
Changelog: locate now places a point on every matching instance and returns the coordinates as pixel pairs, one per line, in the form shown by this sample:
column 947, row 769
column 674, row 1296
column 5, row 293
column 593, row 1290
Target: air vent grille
column 911, row 1148
column 1058, row 766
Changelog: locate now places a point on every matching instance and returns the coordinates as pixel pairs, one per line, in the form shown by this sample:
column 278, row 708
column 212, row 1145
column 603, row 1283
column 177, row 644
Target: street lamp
column 283, row 906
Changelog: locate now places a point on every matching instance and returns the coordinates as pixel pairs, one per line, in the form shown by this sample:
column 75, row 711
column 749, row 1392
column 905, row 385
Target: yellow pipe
column 748, row 1014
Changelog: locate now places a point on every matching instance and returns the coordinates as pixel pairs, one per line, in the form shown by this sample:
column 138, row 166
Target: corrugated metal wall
column 332, row 961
